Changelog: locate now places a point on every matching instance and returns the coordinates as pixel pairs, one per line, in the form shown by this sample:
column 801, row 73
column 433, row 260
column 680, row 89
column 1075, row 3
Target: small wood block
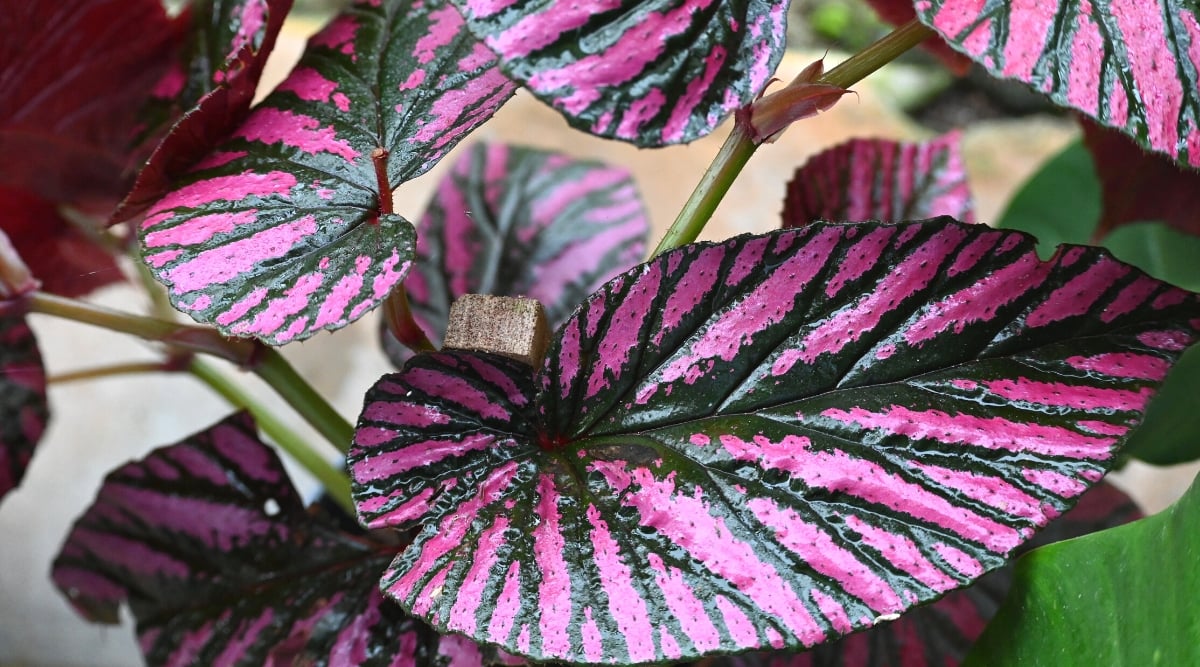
column 511, row 326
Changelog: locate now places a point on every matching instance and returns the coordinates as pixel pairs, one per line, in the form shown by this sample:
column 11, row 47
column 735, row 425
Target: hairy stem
column 283, row 378
column 335, row 481
column 740, row 145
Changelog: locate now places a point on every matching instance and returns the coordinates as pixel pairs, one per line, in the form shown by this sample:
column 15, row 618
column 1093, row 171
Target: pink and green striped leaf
column 280, row 232
column 899, row 12
column 764, row 443
column 23, row 408
column 651, row 72
column 1130, row 64
column 940, row 634
column 207, row 93
column 514, row 221
column 212, row 548
column 877, row 179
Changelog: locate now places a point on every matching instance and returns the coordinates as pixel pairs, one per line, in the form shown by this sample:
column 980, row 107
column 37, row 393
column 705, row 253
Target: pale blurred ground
column 102, row 424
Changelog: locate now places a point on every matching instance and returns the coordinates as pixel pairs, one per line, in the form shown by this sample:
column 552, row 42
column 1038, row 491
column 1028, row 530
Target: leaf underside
column 651, row 72
column 1130, row 64
column 278, row 233
column 220, row 563
column 876, row 179
column 23, row 408
column 763, row 443
column 511, row 221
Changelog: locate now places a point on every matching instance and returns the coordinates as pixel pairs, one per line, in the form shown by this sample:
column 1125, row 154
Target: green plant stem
column 335, row 481
column 275, row 370
column 114, row 370
column 739, row 146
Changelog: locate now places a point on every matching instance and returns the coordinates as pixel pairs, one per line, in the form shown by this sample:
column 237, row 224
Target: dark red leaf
column 875, row 179
column 211, row 547
column 74, row 75
column 65, row 257
column 214, row 84
column 23, row 409
column 1136, row 186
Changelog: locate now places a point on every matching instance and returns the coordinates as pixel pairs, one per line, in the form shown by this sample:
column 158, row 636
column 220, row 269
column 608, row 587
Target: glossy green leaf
column 763, row 443
column 512, row 221
column 1133, row 65
column 1060, row 203
column 1126, row 596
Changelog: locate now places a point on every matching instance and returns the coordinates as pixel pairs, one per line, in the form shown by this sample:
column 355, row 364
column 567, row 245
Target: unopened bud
column 770, row 115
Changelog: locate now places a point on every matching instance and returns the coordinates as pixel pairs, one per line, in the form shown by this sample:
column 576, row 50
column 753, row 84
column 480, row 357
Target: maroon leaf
column 763, row 443
column 63, row 256
column 875, row 179
column 220, row 564
column 214, row 83
column 651, row 72
column 74, row 74
column 284, row 231
column 1132, row 65
column 23, row 409
column 940, row 634
column 1137, row 186
column 515, row 221
column 899, row 12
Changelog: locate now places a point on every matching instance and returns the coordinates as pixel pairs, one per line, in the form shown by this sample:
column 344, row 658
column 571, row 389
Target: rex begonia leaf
column 764, row 443
column 941, row 633
column 1126, row 596
column 1137, row 186
column 877, row 179
column 651, row 72
column 61, row 253
column 1132, row 65
column 74, row 75
column 213, row 83
column 281, row 231
column 513, row 221
column 220, row 563
column 23, row 409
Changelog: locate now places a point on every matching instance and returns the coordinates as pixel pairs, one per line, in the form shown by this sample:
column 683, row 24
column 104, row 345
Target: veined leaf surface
column 1131, row 64
column 221, row 564
column 211, row 87
column 940, row 634
column 23, row 409
column 877, row 179
column 763, row 443
column 514, row 221
column 279, row 232
column 651, row 72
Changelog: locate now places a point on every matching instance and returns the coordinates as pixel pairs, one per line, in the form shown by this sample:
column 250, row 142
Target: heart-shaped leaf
column 651, row 72
column 876, row 179
column 763, row 443
column 74, row 75
column 512, row 221
column 212, row 548
column 1131, row 65
column 284, row 230
column 941, row 633
column 23, row 409
column 1064, row 610
column 214, row 83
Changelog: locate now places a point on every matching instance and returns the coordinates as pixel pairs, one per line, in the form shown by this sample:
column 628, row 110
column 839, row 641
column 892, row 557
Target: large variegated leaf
column 763, row 443
column 220, row 564
column 1133, row 65
column 213, row 83
column 651, row 72
column 876, row 179
column 940, row 634
column 515, row 221
column 23, row 410
column 282, row 231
